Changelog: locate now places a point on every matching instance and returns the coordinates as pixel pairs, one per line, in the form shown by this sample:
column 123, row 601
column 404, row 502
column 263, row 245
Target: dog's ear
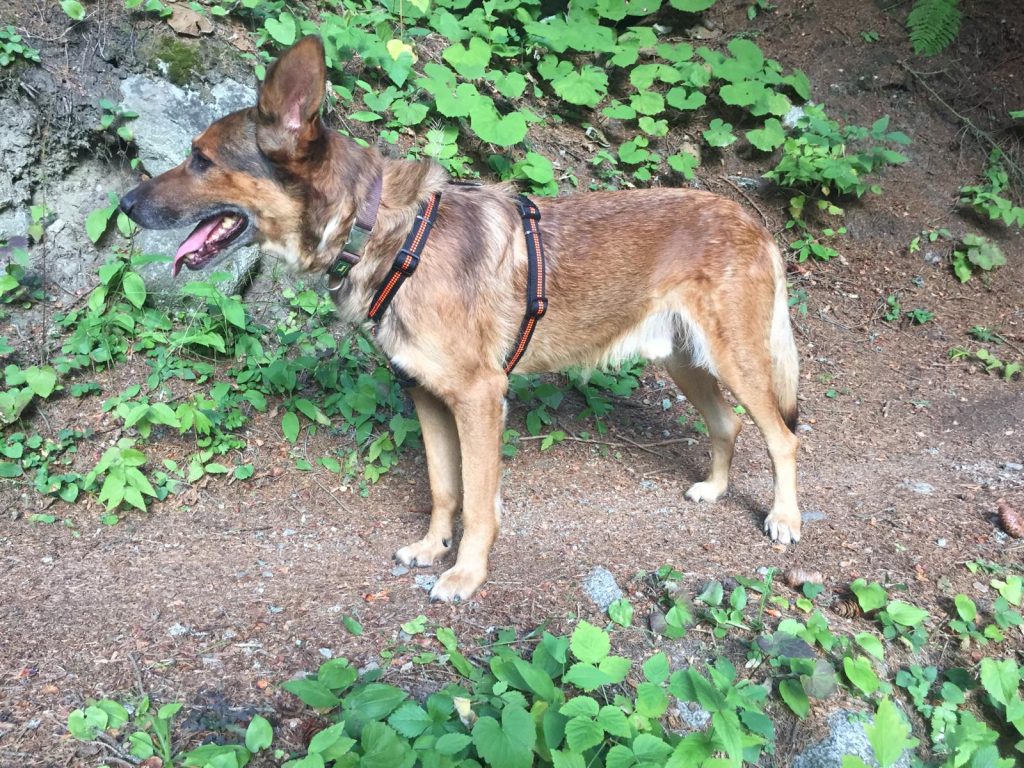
column 290, row 99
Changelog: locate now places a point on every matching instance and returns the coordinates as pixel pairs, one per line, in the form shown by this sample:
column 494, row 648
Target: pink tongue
column 195, row 241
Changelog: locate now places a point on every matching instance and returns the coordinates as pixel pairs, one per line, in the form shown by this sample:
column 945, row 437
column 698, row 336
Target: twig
column 967, row 121
column 749, row 199
column 628, row 444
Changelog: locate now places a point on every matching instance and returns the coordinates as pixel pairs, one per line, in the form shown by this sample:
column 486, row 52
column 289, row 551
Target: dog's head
column 248, row 175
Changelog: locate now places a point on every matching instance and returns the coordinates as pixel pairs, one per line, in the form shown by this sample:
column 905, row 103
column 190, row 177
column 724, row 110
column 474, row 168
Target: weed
column 987, row 197
column 14, row 47
column 116, row 116
column 976, row 254
column 988, row 361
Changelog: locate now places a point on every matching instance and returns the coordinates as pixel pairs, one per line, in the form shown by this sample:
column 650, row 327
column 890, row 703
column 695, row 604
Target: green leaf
column 684, row 163
column 869, row 596
column 768, row 138
column 889, row 734
column 691, row 6
column 904, row 613
column 1000, row 679
column 966, row 608
column 290, row 426
column 469, row 62
column 861, row 674
column 381, row 747
column 73, row 8
column 96, row 222
column 313, row 693
column 651, row 700
column 656, row 668
column 589, row 644
column 582, row 733
column 375, row 700
column 259, row 735
column 719, row 133
column 871, row 644
column 282, row 30
column 793, row 694
column 41, row 380
column 508, row 744
column 621, row 612
column 244, row 471
column 353, row 625
column 410, row 720
column 494, row 128
column 134, row 288
column 452, row 743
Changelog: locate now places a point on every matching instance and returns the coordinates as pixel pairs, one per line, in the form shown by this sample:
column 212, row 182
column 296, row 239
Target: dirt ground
column 217, row 596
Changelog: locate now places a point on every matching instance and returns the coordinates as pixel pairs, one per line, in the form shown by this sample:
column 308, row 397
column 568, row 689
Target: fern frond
column 933, row 25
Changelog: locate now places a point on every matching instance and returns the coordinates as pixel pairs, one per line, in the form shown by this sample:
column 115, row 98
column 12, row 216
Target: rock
column 600, row 587
column 169, row 118
column 656, row 621
column 177, row 630
column 648, row 485
column 425, row 581
column 399, row 570
column 695, row 716
column 812, row 517
column 791, row 118
column 1012, row 466
column 922, row 488
column 847, row 737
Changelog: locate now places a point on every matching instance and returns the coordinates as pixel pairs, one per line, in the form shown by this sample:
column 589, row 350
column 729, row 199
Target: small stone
column 656, row 621
column 288, row 532
column 846, row 737
column 177, row 630
column 695, row 716
column 812, row 517
column 600, row 586
column 426, row 581
column 941, row 543
column 804, row 428
column 327, row 653
column 648, row 485
column 922, row 488
column 399, row 570
column 1013, row 466
column 276, row 609
column 792, row 117
column 765, row 570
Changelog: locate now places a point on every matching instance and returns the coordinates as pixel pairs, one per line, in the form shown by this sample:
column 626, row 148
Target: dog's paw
column 783, row 526
column 423, row 553
column 705, row 491
column 457, row 584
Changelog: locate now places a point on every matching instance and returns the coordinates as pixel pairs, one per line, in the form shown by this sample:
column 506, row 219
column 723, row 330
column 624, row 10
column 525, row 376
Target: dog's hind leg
column 751, row 382
column 702, row 390
column 479, row 410
column 444, row 467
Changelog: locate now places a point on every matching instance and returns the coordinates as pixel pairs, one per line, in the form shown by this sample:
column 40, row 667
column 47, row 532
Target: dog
column 679, row 276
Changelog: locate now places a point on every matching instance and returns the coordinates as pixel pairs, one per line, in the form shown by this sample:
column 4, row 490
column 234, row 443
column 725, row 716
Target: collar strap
column 408, row 258
column 536, row 295
column 352, row 251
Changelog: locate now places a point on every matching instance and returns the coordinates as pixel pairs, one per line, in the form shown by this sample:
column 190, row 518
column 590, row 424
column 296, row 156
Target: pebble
column 695, row 717
column 177, row 630
column 812, row 517
column 399, row 570
column 426, row 581
column 600, row 586
column 1013, row 466
column 941, row 543
column 804, row 428
column 648, row 485
column 327, row 653
column 923, row 488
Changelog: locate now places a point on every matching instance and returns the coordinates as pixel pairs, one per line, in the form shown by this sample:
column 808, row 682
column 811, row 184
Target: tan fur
column 680, row 275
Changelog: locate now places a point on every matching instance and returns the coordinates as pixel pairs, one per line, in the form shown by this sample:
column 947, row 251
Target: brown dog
column 676, row 275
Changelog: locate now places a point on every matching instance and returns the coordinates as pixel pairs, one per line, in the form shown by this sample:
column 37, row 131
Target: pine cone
column 1010, row 519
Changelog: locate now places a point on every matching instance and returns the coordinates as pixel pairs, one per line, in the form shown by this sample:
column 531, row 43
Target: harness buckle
column 527, row 210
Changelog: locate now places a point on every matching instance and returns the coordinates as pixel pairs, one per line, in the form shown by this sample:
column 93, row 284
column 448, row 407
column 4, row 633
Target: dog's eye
column 200, row 162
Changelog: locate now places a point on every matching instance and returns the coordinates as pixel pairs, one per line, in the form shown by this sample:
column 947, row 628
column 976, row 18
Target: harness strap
column 536, row 296
column 408, row 258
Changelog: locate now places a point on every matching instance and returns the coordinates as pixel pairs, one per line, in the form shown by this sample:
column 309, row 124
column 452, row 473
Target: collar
column 352, row 251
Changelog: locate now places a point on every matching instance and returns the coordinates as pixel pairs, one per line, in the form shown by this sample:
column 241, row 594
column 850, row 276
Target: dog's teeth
column 228, row 221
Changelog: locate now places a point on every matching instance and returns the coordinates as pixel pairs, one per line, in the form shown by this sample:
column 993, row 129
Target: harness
column 408, row 258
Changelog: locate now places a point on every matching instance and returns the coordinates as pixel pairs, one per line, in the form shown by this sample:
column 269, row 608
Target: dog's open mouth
column 209, row 239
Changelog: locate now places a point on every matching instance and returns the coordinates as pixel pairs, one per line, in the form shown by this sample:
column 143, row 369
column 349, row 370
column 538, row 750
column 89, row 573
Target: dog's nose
column 128, row 202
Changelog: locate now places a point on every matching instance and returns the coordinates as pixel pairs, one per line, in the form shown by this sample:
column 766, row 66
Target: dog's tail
column 785, row 361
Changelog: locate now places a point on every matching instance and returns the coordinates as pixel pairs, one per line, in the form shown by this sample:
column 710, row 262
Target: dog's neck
column 341, row 186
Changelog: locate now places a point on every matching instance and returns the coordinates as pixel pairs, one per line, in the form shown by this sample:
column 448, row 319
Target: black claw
column 446, row 543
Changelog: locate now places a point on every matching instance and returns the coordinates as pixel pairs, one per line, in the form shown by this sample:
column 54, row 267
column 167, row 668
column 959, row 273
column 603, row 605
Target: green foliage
column 13, row 47
column 987, row 198
column 144, row 731
column 933, row 25
column 988, row 361
column 976, row 254
column 74, row 9
column 116, row 116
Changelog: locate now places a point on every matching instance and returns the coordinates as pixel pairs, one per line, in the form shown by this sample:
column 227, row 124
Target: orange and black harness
column 408, row 258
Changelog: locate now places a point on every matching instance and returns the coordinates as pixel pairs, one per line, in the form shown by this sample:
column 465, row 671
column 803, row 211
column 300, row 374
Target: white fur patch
column 658, row 336
column 329, row 231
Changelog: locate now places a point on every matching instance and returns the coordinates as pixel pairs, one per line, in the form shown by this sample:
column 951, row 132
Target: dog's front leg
column 444, row 467
column 480, row 414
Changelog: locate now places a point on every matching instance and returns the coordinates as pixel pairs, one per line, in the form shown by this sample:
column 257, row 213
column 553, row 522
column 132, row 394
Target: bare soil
column 219, row 594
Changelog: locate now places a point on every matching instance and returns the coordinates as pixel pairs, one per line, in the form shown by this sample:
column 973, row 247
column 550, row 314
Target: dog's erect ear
column 290, row 99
